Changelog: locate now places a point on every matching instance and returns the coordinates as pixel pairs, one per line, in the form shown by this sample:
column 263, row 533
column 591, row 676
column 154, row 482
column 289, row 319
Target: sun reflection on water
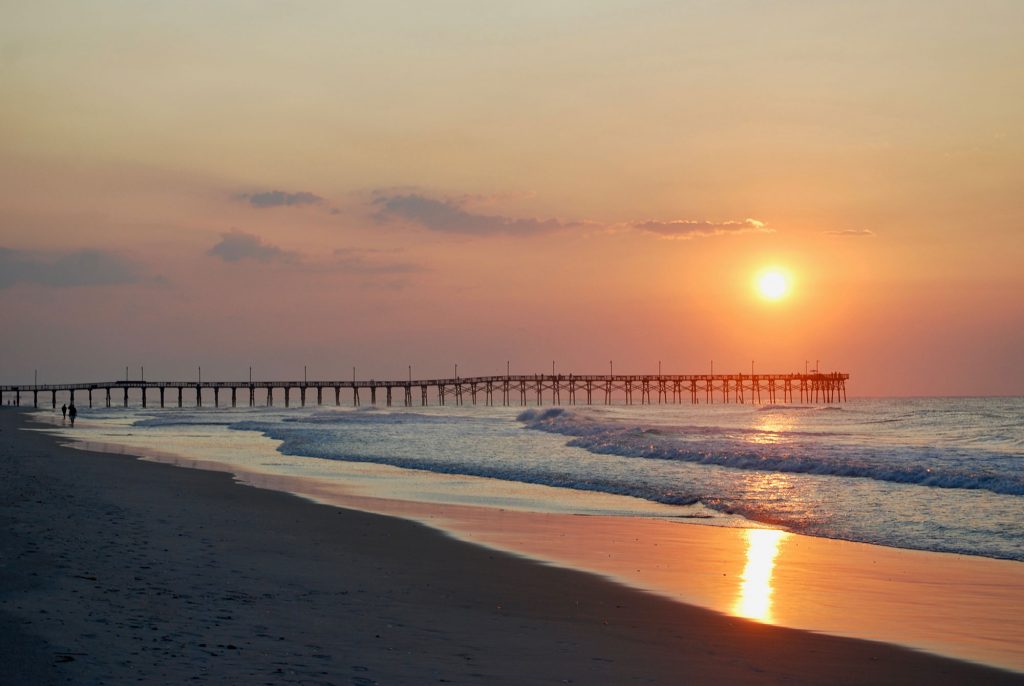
column 754, row 600
column 772, row 429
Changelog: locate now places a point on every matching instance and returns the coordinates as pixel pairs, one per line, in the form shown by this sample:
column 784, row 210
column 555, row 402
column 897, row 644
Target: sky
column 328, row 185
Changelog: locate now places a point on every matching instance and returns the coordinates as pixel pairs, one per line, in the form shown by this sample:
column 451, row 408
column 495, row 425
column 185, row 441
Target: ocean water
column 937, row 474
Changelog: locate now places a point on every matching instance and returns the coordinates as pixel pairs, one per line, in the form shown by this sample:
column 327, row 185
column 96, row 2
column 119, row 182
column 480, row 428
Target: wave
column 362, row 415
column 785, row 452
column 158, row 422
column 785, row 408
column 563, row 421
column 323, row 443
column 801, row 408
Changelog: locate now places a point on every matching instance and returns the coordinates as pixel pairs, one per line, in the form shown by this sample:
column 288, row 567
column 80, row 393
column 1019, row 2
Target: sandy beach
column 116, row 570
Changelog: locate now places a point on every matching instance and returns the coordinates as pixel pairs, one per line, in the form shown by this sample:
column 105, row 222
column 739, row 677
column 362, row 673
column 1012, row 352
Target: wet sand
column 961, row 606
column 116, row 570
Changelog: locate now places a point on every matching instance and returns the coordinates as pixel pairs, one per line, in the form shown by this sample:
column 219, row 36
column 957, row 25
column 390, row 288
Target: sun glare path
column 755, row 593
column 772, row 284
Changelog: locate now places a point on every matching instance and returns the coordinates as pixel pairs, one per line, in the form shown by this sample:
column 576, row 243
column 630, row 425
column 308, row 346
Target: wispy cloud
column 850, row 232
column 449, row 216
column 236, row 246
column 684, row 229
column 67, row 269
column 265, row 199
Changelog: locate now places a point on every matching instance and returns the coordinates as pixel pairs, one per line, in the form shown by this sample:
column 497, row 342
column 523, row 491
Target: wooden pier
column 506, row 390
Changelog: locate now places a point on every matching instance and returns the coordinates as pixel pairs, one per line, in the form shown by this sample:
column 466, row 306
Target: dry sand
column 115, row 570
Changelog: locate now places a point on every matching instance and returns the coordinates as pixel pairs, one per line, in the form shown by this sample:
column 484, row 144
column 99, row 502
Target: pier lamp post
column 304, row 378
column 552, row 367
column 659, row 367
column 456, row 371
column 200, row 375
column 410, row 373
column 250, row 375
column 508, row 367
column 751, row 367
column 353, row 374
column 611, row 368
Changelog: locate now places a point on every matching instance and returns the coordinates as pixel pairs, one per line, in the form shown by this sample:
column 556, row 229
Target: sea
column 932, row 474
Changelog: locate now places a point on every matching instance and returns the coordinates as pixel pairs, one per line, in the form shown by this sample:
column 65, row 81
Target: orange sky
column 430, row 184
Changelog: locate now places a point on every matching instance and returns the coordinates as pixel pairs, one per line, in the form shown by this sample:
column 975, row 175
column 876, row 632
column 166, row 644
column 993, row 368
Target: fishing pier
column 522, row 390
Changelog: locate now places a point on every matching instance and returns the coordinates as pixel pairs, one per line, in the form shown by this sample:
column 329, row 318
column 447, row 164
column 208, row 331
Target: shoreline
column 953, row 605
column 831, row 586
column 114, row 568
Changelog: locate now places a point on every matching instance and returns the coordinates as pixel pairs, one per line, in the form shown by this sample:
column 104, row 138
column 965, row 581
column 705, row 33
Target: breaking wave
column 795, row 452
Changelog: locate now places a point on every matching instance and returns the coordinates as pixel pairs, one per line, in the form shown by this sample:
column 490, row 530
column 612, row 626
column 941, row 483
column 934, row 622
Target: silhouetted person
column 64, row 411
column 72, row 412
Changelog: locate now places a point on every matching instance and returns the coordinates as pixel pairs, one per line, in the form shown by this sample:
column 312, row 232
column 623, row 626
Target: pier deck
column 505, row 390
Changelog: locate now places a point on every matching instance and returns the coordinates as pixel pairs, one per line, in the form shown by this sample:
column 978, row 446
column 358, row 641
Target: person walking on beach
column 64, row 411
column 72, row 412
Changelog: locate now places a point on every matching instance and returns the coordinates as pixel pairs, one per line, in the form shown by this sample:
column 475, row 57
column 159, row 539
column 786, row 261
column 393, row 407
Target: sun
column 773, row 284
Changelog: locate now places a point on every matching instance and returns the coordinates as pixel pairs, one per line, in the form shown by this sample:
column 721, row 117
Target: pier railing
column 522, row 390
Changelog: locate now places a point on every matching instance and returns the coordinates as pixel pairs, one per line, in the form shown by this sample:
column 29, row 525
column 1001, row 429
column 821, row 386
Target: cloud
column 86, row 267
column 448, row 216
column 354, row 262
column 237, row 246
column 685, row 229
column 267, row 199
column 850, row 232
